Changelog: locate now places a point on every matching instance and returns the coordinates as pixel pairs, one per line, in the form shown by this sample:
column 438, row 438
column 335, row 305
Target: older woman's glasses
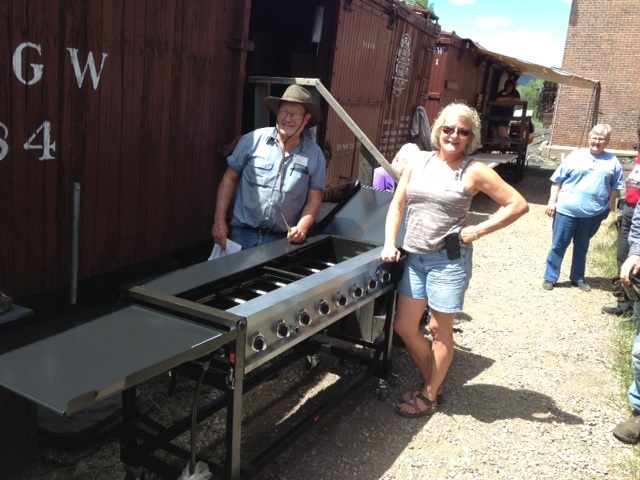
column 282, row 114
column 463, row 132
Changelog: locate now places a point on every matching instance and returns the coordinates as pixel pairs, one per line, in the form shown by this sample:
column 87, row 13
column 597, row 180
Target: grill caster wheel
column 134, row 473
column 382, row 390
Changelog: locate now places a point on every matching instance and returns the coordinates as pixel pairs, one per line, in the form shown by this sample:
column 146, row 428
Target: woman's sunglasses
column 462, row 132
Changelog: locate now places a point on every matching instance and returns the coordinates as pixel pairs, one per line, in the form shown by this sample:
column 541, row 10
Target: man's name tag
column 300, row 160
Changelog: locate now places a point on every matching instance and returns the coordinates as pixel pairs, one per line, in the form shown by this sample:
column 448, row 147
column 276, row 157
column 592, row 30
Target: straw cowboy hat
column 297, row 94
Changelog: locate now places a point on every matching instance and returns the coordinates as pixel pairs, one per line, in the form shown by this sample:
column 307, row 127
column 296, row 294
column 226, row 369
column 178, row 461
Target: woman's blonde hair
column 459, row 110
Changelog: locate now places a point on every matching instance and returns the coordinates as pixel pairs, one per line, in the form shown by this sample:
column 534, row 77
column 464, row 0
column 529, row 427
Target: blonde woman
column 435, row 193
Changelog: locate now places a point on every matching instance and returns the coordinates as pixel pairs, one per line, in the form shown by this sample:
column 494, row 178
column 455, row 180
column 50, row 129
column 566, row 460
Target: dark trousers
column 622, row 245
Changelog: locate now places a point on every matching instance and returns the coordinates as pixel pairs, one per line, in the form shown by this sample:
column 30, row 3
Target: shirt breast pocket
column 296, row 182
column 258, row 171
column 300, row 168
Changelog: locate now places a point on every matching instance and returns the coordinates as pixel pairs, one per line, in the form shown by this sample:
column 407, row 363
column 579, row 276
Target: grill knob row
column 284, row 330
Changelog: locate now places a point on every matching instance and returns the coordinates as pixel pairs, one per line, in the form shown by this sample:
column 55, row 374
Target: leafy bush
column 530, row 93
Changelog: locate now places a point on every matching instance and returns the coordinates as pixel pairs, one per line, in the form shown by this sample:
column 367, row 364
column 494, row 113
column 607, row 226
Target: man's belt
column 265, row 232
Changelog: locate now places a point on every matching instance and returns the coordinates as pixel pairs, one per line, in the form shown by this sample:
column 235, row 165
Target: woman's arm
column 484, row 179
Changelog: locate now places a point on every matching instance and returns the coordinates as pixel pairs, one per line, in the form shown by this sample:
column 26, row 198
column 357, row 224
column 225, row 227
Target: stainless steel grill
column 293, row 294
column 242, row 311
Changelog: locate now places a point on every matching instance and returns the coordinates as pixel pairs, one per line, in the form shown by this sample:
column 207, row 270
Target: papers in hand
column 217, row 252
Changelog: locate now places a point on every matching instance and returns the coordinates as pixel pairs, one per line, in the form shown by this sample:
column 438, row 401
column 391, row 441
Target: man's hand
column 629, row 268
column 550, row 210
column 296, row 235
column 220, row 232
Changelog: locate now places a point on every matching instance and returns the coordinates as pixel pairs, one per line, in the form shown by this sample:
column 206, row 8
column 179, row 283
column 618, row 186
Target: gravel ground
column 530, row 394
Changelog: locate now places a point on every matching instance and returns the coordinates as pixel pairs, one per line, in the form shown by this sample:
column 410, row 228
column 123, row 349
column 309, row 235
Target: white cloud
column 493, row 22
column 533, row 46
column 465, row 2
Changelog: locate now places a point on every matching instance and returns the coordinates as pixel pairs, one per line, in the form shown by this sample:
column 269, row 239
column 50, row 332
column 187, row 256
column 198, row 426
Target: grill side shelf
column 186, row 308
column 88, row 356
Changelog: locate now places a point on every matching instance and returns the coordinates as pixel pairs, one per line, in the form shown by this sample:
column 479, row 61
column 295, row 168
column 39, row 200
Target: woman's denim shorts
column 434, row 277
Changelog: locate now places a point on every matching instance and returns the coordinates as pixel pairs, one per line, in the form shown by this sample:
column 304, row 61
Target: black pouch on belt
column 452, row 242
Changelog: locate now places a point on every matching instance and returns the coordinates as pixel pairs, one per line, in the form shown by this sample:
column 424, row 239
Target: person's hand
column 296, row 235
column 551, row 209
column 390, row 254
column 220, row 232
column 630, row 267
column 468, row 234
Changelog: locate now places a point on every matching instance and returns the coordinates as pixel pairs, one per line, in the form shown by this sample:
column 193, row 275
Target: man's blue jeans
column 565, row 230
column 251, row 238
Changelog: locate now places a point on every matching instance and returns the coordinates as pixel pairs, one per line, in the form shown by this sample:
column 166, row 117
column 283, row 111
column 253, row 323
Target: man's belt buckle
column 263, row 231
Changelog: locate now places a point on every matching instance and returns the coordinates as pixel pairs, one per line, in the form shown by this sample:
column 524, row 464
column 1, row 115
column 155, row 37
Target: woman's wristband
column 475, row 234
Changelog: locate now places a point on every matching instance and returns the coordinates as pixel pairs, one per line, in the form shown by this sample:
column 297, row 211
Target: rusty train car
column 462, row 73
column 125, row 101
column 130, row 107
column 457, row 74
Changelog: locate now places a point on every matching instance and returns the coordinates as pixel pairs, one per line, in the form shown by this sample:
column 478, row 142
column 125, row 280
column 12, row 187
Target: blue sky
column 531, row 30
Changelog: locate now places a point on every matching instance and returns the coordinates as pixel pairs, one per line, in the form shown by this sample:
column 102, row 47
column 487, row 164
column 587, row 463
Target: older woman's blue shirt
column 586, row 183
column 263, row 195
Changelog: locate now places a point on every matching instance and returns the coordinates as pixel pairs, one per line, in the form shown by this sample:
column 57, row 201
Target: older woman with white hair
column 435, row 192
column 584, row 190
column 381, row 178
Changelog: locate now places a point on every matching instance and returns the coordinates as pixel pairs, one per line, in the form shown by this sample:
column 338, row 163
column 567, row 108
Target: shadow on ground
column 382, row 436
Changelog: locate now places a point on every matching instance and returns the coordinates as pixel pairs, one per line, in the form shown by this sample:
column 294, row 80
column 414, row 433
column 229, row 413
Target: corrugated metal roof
column 550, row 74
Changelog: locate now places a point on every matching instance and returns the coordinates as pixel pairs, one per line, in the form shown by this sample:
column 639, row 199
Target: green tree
column 426, row 4
column 530, row 93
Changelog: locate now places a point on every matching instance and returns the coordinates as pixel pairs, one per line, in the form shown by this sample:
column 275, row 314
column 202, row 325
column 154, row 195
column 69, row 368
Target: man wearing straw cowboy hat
column 277, row 175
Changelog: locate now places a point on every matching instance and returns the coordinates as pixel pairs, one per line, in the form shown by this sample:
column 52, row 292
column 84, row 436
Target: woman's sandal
column 411, row 395
column 429, row 407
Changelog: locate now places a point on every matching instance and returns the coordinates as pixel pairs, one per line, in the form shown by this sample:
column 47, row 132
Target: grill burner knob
column 304, row 318
column 341, row 299
column 282, row 329
column 323, row 307
column 383, row 276
column 372, row 283
column 259, row 343
column 357, row 291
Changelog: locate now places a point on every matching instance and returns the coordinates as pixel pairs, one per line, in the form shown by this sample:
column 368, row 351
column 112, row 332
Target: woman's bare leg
column 441, row 326
column 407, row 325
